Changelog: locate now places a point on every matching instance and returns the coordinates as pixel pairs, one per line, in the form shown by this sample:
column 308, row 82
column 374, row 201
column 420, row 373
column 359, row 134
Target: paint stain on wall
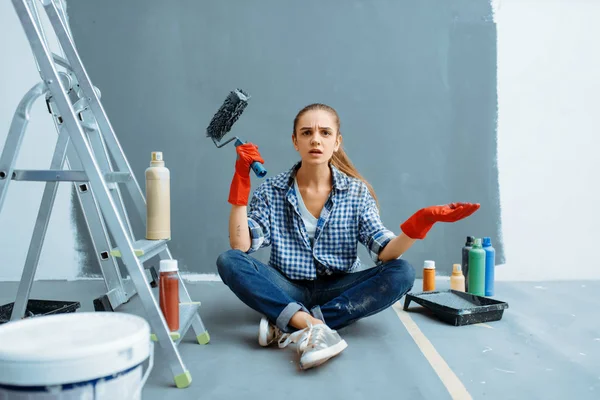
column 83, row 241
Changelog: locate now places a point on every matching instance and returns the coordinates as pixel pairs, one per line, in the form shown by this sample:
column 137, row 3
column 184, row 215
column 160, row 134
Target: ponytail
column 341, row 161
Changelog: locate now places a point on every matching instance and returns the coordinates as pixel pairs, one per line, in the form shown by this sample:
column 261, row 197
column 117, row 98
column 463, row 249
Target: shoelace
column 307, row 337
column 275, row 332
column 288, row 338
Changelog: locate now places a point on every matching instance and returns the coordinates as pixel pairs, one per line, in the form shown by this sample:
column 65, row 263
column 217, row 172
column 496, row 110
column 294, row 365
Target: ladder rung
column 61, row 61
column 56, row 175
column 144, row 249
column 120, row 177
column 49, row 175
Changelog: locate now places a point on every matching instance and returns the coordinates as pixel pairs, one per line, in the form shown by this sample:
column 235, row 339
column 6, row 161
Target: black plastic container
column 459, row 308
column 37, row 308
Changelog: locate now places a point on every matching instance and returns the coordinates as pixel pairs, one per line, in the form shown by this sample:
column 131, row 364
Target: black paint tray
column 36, row 308
column 458, row 308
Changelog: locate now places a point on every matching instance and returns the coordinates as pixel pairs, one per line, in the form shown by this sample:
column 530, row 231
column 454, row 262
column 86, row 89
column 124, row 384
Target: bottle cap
column 428, row 264
column 456, row 269
column 487, row 241
column 470, row 240
column 168, row 266
column 477, row 242
column 157, row 159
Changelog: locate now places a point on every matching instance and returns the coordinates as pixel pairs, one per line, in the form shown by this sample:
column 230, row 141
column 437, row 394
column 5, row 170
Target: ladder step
column 187, row 312
column 144, row 249
column 49, row 175
column 56, row 175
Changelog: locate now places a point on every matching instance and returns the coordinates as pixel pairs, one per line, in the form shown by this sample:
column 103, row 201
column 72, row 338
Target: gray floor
column 547, row 346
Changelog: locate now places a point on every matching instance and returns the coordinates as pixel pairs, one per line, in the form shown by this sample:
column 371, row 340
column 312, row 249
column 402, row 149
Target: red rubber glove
column 417, row 226
column 239, row 190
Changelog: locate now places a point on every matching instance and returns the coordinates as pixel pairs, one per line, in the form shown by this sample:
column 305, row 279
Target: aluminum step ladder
column 85, row 141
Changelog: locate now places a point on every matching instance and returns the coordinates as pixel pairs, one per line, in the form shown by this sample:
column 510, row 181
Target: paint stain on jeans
column 359, row 307
column 384, row 288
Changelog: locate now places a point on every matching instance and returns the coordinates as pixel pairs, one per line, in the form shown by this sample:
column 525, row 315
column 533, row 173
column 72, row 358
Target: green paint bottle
column 477, row 269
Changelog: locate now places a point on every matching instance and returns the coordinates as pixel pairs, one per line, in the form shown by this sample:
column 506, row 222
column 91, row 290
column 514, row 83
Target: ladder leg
column 100, row 151
column 113, row 280
column 101, row 154
column 15, row 137
column 119, row 291
column 39, row 231
column 97, row 182
column 200, row 331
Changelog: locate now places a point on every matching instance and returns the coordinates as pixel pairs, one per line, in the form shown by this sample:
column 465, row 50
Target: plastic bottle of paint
column 428, row 276
column 490, row 265
column 158, row 199
column 477, row 269
column 168, row 292
column 465, row 260
column 457, row 280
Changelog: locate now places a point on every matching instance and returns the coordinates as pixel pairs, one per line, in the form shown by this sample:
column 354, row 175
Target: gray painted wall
column 414, row 83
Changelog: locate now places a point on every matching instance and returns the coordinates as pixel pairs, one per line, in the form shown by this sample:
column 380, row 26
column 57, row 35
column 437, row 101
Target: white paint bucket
column 74, row 356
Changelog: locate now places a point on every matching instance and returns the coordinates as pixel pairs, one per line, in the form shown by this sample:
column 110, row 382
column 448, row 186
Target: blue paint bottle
column 490, row 265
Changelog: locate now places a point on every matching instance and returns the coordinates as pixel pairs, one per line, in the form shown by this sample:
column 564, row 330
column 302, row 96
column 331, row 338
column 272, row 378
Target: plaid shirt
column 349, row 216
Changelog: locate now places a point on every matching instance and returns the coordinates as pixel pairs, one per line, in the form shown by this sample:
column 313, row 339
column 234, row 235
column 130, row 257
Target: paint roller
column 223, row 120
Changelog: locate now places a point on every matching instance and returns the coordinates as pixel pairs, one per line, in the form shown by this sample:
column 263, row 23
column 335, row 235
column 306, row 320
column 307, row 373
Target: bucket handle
column 138, row 391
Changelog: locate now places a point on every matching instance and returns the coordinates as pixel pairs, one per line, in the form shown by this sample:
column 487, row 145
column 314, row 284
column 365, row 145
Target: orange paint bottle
column 429, row 276
column 168, row 292
column 457, row 280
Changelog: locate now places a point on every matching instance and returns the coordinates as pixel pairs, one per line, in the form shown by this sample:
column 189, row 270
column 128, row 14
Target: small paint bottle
column 168, row 292
column 465, row 260
column 457, row 280
column 158, row 199
column 490, row 265
column 428, row 276
column 477, row 269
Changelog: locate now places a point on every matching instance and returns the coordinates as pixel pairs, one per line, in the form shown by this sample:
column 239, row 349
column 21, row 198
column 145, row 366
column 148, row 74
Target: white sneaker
column 317, row 343
column 268, row 333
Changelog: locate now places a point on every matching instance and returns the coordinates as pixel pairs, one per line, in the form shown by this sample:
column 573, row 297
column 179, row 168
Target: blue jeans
column 338, row 300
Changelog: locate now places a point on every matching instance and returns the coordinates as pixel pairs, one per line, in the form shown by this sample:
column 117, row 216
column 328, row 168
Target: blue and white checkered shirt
column 349, row 216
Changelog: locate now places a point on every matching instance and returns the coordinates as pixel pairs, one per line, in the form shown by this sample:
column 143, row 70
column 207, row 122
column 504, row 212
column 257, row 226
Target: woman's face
column 316, row 137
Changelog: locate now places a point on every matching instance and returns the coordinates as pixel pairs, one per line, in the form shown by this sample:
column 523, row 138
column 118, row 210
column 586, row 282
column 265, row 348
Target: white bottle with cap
column 158, row 199
column 168, row 292
column 428, row 276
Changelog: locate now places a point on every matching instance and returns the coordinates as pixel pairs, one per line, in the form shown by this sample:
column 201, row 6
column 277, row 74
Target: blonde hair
column 340, row 159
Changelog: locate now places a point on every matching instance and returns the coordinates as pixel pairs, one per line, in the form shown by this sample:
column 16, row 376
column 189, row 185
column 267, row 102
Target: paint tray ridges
column 450, row 300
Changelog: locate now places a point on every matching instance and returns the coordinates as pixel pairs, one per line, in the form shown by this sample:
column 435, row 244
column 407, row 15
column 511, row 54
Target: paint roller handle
column 257, row 167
